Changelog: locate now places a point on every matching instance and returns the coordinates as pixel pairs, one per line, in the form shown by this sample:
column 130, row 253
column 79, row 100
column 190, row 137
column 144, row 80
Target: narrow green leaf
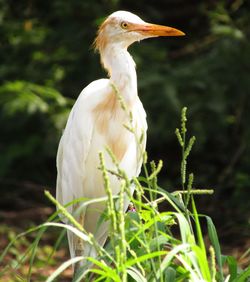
column 71, row 228
column 62, row 267
column 145, row 257
column 243, row 276
column 215, row 242
column 198, row 227
column 232, row 266
column 136, row 275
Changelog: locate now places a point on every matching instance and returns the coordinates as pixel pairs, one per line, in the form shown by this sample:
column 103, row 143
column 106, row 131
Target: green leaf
column 232, row 267
column 243, row 276
column 145, row 257
column 136, row 275
column 216, row 245
column 170, row 274
column 62, row 267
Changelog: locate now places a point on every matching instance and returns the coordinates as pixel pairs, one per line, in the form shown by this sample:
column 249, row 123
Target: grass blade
column 62, row 267
column 216, row 245
column 136, row 275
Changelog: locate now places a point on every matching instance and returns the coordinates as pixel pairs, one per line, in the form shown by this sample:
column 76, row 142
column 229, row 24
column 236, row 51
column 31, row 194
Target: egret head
column 123, row 28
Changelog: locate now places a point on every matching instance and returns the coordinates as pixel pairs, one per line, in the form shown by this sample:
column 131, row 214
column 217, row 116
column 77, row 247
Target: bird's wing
column 75, row 143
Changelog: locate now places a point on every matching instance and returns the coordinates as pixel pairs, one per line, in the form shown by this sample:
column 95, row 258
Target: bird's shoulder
column 96, row 88
column 90, row 96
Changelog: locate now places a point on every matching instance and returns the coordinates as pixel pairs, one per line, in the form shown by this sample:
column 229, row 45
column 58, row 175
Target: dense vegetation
column 46, row 59
column 145, row 244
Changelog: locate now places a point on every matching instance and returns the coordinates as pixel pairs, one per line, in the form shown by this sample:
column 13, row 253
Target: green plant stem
column 62, row 209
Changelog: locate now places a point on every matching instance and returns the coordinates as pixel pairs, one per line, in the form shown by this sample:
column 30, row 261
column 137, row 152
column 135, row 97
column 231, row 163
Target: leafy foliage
column 32, row 117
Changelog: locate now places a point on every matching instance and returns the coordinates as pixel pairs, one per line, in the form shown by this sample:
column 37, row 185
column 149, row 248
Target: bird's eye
column 124, row 25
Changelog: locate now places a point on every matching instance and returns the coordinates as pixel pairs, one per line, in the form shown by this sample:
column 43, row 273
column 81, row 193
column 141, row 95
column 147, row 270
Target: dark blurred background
column 46, row 59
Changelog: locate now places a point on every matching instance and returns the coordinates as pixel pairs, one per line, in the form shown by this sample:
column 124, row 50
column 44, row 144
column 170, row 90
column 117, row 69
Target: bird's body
column 97, row 118
column 97, row 121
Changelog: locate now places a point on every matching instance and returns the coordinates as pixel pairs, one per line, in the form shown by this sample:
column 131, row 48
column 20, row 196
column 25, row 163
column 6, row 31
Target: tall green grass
column 148, row 244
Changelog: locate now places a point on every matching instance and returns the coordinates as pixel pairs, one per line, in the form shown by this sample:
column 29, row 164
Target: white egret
column 97, row 121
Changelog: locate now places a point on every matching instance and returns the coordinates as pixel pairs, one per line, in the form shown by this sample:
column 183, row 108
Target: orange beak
column 149, row 29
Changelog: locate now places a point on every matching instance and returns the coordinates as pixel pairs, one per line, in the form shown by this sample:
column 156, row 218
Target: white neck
column 121, row 68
